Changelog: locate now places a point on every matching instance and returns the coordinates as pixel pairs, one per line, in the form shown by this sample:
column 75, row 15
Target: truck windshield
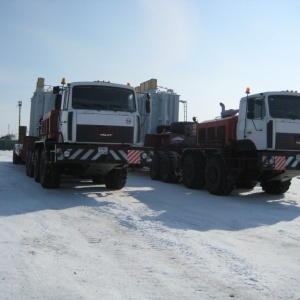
column 103, row 98
column 284, row 106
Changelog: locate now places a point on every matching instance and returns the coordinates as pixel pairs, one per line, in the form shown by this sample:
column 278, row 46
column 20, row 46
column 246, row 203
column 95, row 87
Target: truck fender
column 242, row 145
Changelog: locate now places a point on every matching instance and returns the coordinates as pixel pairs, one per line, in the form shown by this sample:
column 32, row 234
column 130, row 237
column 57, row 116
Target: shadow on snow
column 172, row 205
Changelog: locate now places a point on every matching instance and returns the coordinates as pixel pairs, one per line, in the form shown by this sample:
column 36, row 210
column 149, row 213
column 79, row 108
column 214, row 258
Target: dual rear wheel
column 50, row 176
column 214, row 173
column 218, row 178
column 163, row 167
column 196, row 172
column 37, row 166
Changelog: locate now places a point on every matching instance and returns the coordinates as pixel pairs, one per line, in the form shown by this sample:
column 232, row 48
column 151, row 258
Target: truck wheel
column 194, row 172
column 167, row 170
column 116, row 179
column 29, row 164
column 49, row 174
column 217, row 177
column 162, row 128
column 155, row 166
column 16, row 158
column 36, row 168
column 276, row 187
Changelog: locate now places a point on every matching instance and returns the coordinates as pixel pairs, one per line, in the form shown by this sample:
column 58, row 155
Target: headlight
column 67, row 153
column 144, row 155
column 271, row 161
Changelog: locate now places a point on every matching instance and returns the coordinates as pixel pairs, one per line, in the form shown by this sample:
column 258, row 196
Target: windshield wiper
column 116, row 107
column 292, row 116
column 92, row 105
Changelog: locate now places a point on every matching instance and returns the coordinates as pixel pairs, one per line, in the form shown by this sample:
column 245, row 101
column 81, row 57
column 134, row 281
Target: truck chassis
column 46, row 161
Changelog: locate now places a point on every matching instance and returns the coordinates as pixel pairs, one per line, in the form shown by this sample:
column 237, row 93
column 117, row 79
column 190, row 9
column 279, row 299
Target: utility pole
column 19, row 105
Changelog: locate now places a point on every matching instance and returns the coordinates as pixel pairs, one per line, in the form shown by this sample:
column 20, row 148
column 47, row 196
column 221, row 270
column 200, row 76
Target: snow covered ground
column 150, row 240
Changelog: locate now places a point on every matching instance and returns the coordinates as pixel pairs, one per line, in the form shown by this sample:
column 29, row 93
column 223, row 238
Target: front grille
column 104, row 134
column 287, row 141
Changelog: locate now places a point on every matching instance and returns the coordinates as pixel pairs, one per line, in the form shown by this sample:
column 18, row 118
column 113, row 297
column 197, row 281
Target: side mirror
column 250, row 105
column 58, row 101
column 148, row 105
column 55, row 90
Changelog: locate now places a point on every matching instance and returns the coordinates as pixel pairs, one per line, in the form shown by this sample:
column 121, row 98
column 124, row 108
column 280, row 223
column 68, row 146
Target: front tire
column 116, row 179
column 276, row 187
column 218, row 177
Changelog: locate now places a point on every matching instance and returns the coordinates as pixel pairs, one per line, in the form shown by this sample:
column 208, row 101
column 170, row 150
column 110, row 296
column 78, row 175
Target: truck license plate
column 102, row 150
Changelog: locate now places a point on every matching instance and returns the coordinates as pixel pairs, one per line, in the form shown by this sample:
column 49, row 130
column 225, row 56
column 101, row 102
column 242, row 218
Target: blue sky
column 207, row 51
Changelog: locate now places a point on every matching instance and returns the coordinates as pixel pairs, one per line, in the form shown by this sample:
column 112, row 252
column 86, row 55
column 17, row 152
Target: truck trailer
column 84, row 129
column 257, row 143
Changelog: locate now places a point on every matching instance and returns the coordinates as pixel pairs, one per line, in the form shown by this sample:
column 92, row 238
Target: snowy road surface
column 150, row 240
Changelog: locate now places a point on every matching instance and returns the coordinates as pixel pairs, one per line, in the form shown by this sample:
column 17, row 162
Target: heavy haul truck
column 84, row 129
column 257, row 143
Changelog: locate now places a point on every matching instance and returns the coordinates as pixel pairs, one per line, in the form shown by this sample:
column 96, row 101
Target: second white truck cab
column 271, row 120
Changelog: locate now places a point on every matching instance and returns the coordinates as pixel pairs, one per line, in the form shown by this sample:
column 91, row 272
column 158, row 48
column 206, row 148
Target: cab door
column 256, row 122
column 64, row 119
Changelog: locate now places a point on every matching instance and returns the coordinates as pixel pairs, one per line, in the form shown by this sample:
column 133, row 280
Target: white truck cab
column 271, row 120
column 98, row 112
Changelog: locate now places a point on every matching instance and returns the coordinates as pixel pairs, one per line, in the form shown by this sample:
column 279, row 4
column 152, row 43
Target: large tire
column 36, row 167
column 218, row 178
column 179, row 127
column 155, row 166
column 162, row 128
column 276, row 187
column 194, row 171
column 29, row 164
column 167, row 171
column 49, row 174
column 116, row 179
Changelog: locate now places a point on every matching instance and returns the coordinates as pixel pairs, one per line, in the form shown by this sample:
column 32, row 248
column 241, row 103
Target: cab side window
column 66, row 98
column 259, row 110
